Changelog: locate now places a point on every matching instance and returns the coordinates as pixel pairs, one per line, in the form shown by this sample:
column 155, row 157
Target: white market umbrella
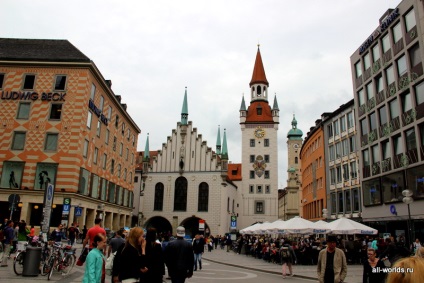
column 347, row 226
column 248, row 230
column 298, row 225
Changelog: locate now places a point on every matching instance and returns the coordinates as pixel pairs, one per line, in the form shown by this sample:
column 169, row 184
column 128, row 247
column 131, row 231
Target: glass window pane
column 419, row 93
column 406, row 102
column 411, row 141
column 18, row 142
column 93, row 91
column 89, row 116
column 397, row 144
column 361, row 97
column 45, row 174
column 370, row 91
column 410, row 20
column 51, row 142
column 23, row 110
column 60, row 83
column 383, row 115
column 386, row 43
column 379, row 84
column 401, row 65
column 414, row 55
column 56, row 111
column 397, row 33
column 373, row 122
column 358, row 69
column 390, row 77
column 394, row 109
column 366, row 157
column 371, row 190
column 367, row 61
column 376, row 52
column 12, row 173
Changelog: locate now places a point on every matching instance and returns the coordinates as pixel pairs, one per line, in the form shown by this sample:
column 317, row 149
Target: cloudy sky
column 152, row 50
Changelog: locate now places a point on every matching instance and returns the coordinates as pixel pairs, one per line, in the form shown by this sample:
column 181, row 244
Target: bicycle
column 18, row 261
column 62, row 260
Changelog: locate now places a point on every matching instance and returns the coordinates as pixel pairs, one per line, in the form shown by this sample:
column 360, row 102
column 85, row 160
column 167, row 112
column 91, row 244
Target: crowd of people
column 142, row 257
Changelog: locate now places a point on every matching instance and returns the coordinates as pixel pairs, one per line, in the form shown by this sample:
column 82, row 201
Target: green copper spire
column 218, row 142
column 146, row 149
column 224, row 154
column 243, row 104
column 275, row 106
column 294, row 133
column 184, row 111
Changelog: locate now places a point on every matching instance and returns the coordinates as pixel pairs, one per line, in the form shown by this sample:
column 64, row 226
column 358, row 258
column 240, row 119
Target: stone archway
column 191, row 224
column 160, row 223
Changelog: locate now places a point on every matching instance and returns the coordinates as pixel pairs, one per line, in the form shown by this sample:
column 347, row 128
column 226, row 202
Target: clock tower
column 259, row 126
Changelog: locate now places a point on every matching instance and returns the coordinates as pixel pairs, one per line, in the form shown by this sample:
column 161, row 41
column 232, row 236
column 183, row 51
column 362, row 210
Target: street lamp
column 408, row 200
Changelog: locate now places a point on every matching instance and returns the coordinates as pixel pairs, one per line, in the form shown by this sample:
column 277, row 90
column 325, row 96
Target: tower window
column 259, row 110
column 252, row 158
column 252, row 143
column 296, row 160
column 258, row 90
column 266, row 142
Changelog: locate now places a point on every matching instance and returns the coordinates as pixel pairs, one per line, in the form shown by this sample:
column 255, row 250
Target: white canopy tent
column 250, row 229
column 297, row 225
column 346, row 226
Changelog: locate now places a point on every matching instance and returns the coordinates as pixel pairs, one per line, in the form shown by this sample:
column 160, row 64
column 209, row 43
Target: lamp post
column 408, row 200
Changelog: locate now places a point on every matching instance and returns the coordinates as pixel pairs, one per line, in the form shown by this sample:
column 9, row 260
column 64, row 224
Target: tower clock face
column 259, row 132
column 296, row 146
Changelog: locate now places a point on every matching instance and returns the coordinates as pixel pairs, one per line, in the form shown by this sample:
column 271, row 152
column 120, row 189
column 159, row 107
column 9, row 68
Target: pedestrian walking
column 288, row 257
column 94, row 266
column 372, row 273
column 130, row 260
column 332, row 266
column 179, row 258
column 154, row 259
column 198, row 249
column 92, row 232
column 8, row 240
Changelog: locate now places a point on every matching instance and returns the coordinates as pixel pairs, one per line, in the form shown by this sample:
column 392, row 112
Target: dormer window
column 259, row 110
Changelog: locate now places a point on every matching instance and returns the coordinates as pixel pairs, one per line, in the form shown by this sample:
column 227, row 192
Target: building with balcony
column 388, row 83
column 341, row 161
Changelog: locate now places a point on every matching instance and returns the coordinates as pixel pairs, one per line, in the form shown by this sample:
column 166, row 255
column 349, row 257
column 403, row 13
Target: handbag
column 82, row 257
column 387, row 263
column 109, row 263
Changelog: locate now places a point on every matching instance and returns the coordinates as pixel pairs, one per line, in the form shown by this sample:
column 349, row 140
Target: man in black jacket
column 198, row 249
column 179, row 258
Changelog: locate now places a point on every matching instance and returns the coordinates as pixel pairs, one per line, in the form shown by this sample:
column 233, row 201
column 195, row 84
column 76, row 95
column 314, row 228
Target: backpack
column 285, row 252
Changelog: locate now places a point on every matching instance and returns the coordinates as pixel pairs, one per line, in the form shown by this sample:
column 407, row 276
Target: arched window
column 258, row 90
column 203, row 197
column 180, row 198
column 158, row 205
column 296, row 160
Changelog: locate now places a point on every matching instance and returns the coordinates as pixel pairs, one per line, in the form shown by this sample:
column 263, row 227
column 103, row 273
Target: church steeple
column 146, row 149
column 218, row 142
column 258, row 84
column 258, row 76
column 184, row 111
column 224, row 154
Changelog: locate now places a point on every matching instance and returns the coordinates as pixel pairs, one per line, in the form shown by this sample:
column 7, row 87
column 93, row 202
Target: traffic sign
column 78, row 211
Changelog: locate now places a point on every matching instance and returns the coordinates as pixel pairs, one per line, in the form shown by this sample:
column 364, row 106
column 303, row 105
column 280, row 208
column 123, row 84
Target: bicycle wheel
column 68, row 263
column 47, row 266
column 55, row 262
column 18, row 263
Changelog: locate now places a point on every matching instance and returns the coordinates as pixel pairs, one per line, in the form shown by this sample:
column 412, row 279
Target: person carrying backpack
column 288, row 257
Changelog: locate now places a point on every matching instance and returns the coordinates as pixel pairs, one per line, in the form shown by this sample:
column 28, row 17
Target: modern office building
column 341, row 164
column 388, row 83
column 65, row 133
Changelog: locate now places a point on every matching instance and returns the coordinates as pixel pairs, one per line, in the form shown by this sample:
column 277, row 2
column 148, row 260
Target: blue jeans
column 198, row 257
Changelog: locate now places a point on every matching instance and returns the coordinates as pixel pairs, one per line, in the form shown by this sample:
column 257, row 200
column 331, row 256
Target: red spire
column 258, row 71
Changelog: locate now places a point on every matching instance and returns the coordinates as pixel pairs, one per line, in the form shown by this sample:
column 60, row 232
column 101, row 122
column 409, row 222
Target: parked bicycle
column 62, row 260
column 18, row 261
